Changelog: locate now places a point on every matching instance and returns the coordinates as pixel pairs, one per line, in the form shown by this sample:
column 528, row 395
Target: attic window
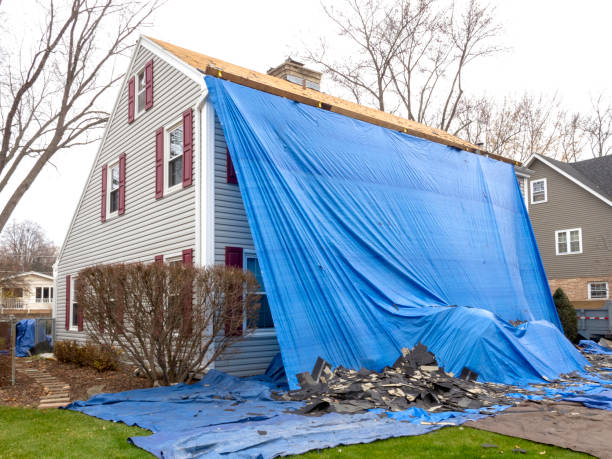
column 174, row 160
column 113, row 186
column 140, row 91
column 539, row 192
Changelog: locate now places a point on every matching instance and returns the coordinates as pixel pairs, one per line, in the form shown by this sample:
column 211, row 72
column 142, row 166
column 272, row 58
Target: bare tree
column 598, row 127
column 49, row 94
column 25, row 247
column 413, row 53
column 171, row 321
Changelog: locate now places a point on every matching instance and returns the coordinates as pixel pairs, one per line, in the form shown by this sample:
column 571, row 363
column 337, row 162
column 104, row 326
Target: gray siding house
column 570, row 206
column 162, row 187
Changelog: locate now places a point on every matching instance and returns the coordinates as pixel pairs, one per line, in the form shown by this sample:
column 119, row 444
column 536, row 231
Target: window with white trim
column 598, row 291
column 44, row 294
column 264, row 319
column 141, row 88
column 74, row 307
column 568, row 241
column 174, row 156
column 113, row 189
column 539, row 191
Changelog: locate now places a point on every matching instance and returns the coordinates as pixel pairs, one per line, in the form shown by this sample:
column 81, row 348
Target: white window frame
column 178, row 186
column 569, row 247
column 42, row 294
column 258, row 331
column 543, row 180
column 137, row 92
column 109, row 184
column 73, row 327
column 607, row 290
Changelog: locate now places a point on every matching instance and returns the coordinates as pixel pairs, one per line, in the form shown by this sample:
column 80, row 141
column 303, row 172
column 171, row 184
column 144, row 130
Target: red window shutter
column 159, row 258
column 67, row 302
column 159, row 163
column 149, row 85
column 231, row 172
column 122, row 184
column 187, row 147
column 131, row 99
column 233, row 324
column 188, row 257
column 103, row 200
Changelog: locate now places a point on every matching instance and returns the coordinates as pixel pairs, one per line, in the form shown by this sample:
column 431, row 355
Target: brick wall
column 577, row 289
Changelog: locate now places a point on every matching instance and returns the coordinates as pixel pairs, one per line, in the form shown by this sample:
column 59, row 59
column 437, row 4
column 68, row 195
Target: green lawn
column 31, row 433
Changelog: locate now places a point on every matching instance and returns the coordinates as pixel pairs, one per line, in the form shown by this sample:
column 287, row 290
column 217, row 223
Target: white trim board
column 569, row 177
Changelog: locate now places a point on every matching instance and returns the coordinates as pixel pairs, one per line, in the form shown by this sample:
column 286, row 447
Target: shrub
column 170, row 320
column 101, row 358
column 567, row 314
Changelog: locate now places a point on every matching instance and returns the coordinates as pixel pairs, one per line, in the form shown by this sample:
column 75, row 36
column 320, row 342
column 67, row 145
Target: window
column 74, row 308
column 598, row 290
column 141, row 87
column 264, row 319
column 113, row 186
column 174, row 158
column 44, row 294
column 539, row 192
column 569, row 241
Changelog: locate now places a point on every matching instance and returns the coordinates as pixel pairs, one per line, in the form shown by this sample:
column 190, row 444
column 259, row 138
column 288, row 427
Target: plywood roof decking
column 280, row 87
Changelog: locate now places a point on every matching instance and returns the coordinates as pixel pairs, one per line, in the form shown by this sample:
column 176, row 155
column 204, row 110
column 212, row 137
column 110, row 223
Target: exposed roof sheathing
column 280, row 87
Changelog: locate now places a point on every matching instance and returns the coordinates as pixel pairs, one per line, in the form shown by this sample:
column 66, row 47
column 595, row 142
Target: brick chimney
column 295, row 72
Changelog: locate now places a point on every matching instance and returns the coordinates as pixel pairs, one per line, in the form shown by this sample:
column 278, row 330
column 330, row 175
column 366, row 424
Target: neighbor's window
column 175, row 156
column 140, row 91
column 569, row 241
column 598, row 291
column 264, row 319
column 44, row 294
column 539, row 192
column 113, row 186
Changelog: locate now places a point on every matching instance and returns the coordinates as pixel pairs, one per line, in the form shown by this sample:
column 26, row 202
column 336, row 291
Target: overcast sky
column 554, row 46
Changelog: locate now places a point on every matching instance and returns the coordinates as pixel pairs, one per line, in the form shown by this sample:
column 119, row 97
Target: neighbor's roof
column 280, row 87
column 595, row 175
column 30, row 273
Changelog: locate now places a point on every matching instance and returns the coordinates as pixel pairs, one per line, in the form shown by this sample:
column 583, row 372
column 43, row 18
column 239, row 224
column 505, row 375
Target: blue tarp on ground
column 223, row 415
column 371, row 240
column 591, row 347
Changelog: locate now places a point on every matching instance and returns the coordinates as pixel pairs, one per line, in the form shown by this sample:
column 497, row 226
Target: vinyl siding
column 570, row 206
column 149, row 227
column 252, row 355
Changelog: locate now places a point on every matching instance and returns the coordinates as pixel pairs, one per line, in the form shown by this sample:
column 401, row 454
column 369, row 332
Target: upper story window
column 569, row 241
column 141, row 88
column 44, row 294
column 174, row 160
column 539, row 191
column 113, row 186
column 598, row 291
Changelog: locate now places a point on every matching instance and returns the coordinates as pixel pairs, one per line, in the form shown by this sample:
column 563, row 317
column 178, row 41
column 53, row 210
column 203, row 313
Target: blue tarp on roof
column 371, row 240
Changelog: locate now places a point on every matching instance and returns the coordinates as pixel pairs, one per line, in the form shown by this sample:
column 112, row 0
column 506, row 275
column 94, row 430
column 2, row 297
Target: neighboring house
column 27, row 293
column 162, row 187
column 570, row 205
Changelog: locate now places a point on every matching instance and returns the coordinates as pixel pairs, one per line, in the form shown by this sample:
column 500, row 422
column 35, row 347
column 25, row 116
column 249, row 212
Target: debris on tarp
column 415, row 380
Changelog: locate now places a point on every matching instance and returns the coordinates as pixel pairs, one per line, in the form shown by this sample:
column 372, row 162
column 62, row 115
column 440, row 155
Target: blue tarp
column 24, row 337
column 223, row 415
column 371, row 240
column 591, row 347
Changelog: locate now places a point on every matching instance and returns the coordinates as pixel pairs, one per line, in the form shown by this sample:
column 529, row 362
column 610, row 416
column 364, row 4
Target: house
column 27, row 294
column 163, row 188
column 570, row 206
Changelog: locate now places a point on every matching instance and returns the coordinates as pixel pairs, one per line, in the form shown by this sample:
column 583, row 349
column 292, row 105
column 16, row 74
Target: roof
column 594, row 175
column 30, row 273
column 268, row 83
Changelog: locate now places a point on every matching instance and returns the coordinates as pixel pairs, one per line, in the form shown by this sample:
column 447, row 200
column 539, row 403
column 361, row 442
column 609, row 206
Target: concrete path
column 57, row 392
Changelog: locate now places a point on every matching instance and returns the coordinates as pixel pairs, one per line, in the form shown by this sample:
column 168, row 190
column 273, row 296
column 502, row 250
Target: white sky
column 556, row 46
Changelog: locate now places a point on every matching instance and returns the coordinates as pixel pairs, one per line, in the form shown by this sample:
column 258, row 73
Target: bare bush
column 171, row 321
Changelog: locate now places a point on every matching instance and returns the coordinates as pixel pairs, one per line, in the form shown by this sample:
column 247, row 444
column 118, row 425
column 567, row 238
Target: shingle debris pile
column 415, row 379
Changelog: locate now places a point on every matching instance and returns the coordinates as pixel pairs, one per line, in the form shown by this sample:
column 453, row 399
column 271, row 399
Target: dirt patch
column 27, row 392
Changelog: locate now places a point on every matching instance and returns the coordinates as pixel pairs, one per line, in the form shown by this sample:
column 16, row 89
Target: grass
column 32, row 433
column 27, row 433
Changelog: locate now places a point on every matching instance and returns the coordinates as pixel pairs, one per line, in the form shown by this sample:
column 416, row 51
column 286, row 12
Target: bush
column 567, row 314
column 170, row 320
column 101, row 358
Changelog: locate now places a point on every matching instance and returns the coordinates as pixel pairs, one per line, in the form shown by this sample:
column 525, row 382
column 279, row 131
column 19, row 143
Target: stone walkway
column 58, row 392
